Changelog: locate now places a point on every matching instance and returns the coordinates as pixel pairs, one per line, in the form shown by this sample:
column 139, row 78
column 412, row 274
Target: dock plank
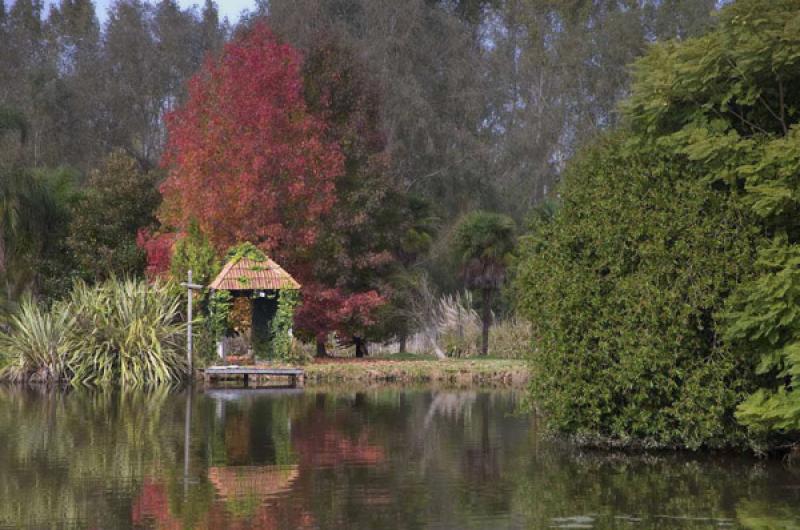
column 211, row 373
column 242, row 370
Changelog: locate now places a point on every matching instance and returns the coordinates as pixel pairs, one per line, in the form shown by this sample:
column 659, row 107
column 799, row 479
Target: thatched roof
column 245, row 273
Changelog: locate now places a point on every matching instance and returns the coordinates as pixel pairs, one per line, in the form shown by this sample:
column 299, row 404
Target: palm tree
column 26, row 212
column 484, row 242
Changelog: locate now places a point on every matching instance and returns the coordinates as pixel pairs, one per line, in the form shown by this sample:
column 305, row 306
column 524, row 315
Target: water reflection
column 366, row 459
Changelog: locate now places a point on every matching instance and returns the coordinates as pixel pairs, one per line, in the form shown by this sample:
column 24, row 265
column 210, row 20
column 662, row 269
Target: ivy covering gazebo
column 252, row 303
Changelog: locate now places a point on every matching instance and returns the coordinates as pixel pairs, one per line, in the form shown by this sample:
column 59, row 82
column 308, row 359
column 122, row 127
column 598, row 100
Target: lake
column 371, row 458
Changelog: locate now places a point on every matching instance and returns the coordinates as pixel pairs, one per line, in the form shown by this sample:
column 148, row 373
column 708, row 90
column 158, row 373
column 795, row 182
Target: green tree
column 120, row 200
column 729, row 102
column 194, row 252
column 14, row 121
column 33, row 221
column 484, row 242
column 664, row 290
column 54, row 266
column 34, row 216
column 415, row 242
column 623, row 285
column 354, row 253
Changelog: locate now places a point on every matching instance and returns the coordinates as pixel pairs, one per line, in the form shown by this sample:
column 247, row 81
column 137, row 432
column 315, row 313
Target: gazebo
column 258, row 287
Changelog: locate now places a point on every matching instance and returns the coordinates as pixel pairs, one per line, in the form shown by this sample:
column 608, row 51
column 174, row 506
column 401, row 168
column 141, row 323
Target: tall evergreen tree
column 212, row 34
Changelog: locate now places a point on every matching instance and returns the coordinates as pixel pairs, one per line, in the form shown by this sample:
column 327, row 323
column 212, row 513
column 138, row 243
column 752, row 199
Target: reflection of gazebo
column 246, row 490
column 262, row 482
column 254, row 282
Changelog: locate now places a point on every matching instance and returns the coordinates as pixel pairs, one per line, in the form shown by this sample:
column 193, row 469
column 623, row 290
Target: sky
column 227, row 8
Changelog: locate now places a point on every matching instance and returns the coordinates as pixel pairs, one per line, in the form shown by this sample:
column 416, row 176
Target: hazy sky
column 227, row 8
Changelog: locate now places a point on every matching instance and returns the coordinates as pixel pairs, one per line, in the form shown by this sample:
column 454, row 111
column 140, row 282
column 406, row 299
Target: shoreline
column 378, row 371
column 461, row 372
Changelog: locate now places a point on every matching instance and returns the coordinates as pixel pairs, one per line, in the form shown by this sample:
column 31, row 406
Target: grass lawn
column 418, row 368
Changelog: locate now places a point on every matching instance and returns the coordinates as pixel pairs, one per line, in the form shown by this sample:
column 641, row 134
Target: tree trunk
column 403, row 345
column 321, row 352
column 360, row 400
column 486, row 317
column 361, row 347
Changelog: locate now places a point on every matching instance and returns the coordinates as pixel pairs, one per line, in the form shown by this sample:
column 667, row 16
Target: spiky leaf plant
column 39, row 343
column 128, row 332
column 124, row 332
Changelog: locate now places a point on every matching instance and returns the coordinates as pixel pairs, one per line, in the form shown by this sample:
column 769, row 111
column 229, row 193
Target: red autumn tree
column 245, row 156
column 327, row 309
column 263, row 149
column 158, row 248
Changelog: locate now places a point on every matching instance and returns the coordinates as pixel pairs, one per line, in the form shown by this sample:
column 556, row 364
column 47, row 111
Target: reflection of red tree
column 152, row 506
column 321, row 443
column 278, row 492
column 151, row 510
column 324, row 441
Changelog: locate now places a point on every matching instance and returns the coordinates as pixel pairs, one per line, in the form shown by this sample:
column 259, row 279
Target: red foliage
column 322, row 441
column 152, row 506
column 245, row 156
column 330, row 309
column 158, row 248
column 252, row 157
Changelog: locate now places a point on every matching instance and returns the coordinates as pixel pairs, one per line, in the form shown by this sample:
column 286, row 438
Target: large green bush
column 665, row 292
column 623, row 285
column 730, row 103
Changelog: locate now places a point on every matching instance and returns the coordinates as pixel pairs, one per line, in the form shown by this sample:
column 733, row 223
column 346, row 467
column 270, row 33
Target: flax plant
column 129, row 332
column 39, row 343
column 124, row 332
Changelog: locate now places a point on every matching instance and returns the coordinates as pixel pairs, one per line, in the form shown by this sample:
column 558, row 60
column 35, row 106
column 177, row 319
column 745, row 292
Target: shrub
column 623, row 288
column 301, row 352
column 119, row 331
column 39, row 343
column 511, row 338
column 457, row 326
column 447, row 324
column 127, row 332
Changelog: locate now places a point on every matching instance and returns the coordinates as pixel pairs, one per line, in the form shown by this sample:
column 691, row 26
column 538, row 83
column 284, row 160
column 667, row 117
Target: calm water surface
column 382, row 458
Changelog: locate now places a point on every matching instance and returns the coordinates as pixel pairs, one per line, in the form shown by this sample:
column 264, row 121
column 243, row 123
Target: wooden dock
column 212, row 374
